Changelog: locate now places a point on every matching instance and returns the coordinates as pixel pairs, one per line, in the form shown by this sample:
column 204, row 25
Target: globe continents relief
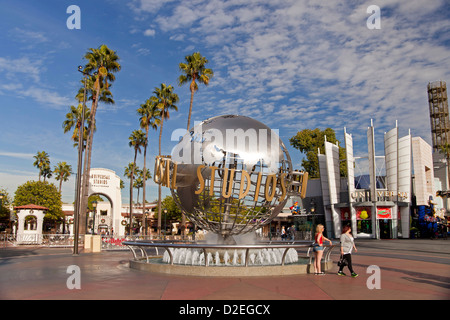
column 230, row 175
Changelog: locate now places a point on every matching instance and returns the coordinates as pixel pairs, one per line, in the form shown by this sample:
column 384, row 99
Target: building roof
column 31, row 206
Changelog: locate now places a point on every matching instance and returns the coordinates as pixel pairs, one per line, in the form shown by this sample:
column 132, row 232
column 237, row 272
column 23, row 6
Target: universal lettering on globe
column 230, row 175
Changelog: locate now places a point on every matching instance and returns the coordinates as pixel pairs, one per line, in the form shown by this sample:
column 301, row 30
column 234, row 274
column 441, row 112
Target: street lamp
column 94, row 205
column 313, row 206
column 79, row 166
column 165, row 228
column 146, row 221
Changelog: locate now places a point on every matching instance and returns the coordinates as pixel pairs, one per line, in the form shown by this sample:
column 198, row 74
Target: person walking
column 283, row 234
column 318, row 249
column 347, row 245
column 291, row 232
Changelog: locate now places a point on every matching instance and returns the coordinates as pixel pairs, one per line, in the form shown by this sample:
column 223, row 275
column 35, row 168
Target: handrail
column 279, row 245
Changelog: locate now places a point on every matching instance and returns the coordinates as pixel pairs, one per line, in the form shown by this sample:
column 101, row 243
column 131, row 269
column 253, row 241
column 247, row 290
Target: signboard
column 363, row 213
column 384, row 213
column 99, row 180
column 345, row 214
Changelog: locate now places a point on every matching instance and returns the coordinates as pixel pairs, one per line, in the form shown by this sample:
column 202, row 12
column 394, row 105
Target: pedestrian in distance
column 318, row 249
column 347, row 246
column 291, row 232
column 283, row 234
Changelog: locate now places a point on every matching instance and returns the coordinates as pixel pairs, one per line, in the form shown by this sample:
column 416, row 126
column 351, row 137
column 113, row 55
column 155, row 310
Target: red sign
column 384, row 213
column 362, row 213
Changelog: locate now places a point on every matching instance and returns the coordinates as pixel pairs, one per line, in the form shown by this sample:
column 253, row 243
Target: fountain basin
column 242, row 267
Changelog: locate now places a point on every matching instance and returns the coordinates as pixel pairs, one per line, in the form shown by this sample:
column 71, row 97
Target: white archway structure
column 105, row 182
column 30, row 230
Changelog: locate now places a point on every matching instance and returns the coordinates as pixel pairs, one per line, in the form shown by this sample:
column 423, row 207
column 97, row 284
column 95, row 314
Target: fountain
column 230, row 175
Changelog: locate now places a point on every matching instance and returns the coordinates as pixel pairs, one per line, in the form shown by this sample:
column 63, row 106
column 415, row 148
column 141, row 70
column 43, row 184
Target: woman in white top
column 347, row 245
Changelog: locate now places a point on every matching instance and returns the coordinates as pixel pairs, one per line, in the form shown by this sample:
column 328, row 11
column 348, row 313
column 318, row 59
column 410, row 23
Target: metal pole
column 165, row 219
column 80, row 162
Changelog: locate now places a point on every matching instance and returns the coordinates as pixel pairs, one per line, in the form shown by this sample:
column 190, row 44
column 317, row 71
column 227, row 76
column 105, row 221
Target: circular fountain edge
column 228, row 271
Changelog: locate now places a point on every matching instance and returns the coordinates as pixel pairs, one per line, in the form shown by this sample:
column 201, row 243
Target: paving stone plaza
column 409, row 270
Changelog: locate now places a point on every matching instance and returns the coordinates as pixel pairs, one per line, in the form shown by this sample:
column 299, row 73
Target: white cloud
column 149, row 33
column 21, row 66
column 320, row 56
column 28, row 36
column 17, row 155
column 46, row 97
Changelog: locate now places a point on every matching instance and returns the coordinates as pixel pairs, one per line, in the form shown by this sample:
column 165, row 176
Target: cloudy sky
column 291, row 64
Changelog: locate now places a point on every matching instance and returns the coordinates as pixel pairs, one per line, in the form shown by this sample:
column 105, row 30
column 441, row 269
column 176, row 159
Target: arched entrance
column 105, row 182
column 101, row 220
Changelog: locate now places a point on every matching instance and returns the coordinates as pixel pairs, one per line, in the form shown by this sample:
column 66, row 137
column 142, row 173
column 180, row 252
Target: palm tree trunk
column 131, row 192
column 192, row 88
column 87, row 171
column 145, row 178
column 159, row 185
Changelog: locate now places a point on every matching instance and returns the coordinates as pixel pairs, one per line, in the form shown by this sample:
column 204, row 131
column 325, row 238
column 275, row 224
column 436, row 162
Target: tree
column 47, row 172
column 43, row 194
column 136, row 141
column 165, row 99
column 194, row 71
column 139, row 182
column 149, row 118
column 42, row 163
column 101, row 65
column 73, row 121
column 62, row 173
column 309, row 141
column 4, row 206
column 173, row 211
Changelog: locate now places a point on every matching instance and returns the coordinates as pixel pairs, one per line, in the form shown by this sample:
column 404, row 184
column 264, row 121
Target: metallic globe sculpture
column 230, row 175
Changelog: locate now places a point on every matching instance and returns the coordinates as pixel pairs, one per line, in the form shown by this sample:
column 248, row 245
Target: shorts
column 318, row 248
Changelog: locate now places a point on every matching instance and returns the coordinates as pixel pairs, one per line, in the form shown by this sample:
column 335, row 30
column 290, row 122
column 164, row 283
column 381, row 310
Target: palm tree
column 62, row 173
column 165, row 99
column 73, row 121
column 194, row 70
column 46, row 172
column 136, row 141
column 101, row 66
column 149, row 118
column 42, row 163
column 138, row 183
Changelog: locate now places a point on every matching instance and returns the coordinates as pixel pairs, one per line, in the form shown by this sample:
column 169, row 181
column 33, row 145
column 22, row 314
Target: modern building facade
column 376, row 204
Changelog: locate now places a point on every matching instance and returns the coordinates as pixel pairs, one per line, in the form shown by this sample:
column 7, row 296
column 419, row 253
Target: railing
column 47, row 240
column 7, row 240
column 141, row 245
column 116, row 243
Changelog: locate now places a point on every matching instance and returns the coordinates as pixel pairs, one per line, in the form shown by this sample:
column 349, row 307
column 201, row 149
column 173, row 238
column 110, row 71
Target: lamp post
column 165, row 219
column 79, row 166
column 312, row 206
column 145, row 222
column 94, row 205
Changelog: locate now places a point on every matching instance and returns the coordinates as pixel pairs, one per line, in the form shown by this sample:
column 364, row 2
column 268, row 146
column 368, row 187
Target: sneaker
column 354, row 275
column 340, row 273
